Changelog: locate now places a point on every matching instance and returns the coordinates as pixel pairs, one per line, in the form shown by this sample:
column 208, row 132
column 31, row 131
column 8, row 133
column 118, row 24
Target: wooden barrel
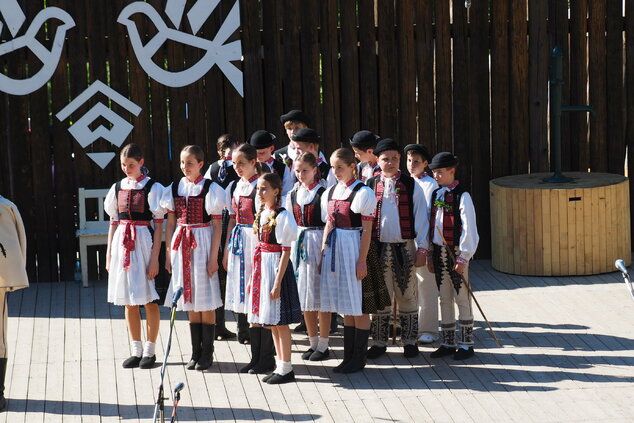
column 577, row 228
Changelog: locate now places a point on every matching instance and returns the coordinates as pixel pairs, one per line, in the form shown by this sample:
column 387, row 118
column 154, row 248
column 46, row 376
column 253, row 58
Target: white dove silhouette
column 49, row 58
column 216, row 52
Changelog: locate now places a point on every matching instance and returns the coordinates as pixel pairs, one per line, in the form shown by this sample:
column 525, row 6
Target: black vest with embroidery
column 191, row 210
column 405, row 206
column 311, row 216
column 347, row 219
column 452, row 223
column 214, row 175
column 268, row 235
column 132, row 204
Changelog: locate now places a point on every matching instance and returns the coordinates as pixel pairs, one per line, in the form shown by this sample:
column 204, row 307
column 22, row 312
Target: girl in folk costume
column 133, row 250
column 417, row 161
column 348, row 209
column 239, row 254
column 12, row 274
column 192, row 239
column 304, row 201
column 272, row 290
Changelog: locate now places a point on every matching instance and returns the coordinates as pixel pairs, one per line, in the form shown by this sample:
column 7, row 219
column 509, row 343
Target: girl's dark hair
column 347, row 156
column 226, row 141
column 133, row 151
column 275, row 181
column 311, row 160
column 250, row 153
column 196, row 151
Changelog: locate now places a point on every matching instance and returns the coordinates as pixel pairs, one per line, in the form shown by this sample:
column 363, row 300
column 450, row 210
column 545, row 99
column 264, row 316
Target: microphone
column 619, row 264
column 176, row 296
column 179, row 387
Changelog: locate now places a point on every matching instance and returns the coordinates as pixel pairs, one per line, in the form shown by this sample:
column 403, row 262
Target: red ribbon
column 256, row 277
column 186, row 239
column 129, row 238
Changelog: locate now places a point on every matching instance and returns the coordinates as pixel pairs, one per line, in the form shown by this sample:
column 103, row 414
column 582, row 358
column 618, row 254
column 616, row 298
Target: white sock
column 287, row 367
column 149, row 349
column 137, row 348
column 322, row 345
column 313, row 342
column 278, row 366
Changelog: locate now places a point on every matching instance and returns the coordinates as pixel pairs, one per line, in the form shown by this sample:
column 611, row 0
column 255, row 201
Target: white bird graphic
column 216, row 51
column 14, row 17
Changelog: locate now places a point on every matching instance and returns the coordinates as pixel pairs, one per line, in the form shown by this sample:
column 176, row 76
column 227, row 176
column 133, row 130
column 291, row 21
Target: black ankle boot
column 207, row 351
column 243, row 329
column 256, row 335
column 348, row 347
column 221, row 329
column 359, row 358
column 3, row 372
column 196, row 332
column 266, row 363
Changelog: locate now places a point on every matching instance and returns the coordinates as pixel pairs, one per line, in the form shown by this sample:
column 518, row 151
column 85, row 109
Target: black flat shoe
column 306, row 355
column 375, row 351
column 147, row 362
column 410, row 351
column 319, row 356
column 277, row 379
column 132, row 362
column 462, row 354
column 267, row 377
column 223, row 334
column 191, row 364
column 300, row 328
column 443, row 351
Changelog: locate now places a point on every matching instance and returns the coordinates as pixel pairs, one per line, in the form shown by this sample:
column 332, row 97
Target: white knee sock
column 322, row 345
column 137, row 348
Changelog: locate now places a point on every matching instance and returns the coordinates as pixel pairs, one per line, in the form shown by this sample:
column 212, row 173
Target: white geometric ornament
column 15, row 18
column 216, row 51
column 80, row 130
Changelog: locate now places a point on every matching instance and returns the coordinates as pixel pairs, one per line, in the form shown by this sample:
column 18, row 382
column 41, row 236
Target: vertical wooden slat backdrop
column 470, row 81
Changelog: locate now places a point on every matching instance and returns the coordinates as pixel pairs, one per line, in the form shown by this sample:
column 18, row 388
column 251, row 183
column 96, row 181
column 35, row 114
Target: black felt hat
column 306, row 135
column 262, row 139
column 418, row 149
column 387, row 144
column 442, row 160
column 295, row 115
column 364, row 140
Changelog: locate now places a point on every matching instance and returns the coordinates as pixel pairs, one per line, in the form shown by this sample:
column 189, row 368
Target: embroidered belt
column 256, row 277
column 187, row 241
column 129, row 238
column 236, row 247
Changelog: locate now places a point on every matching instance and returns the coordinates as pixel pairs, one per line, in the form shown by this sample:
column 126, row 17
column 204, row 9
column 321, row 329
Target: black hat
column 387, row 144
column 418, row 149
column 296, row 115
column 364, row 140
column 442, row 160
column 262, row 139
column 306, row 135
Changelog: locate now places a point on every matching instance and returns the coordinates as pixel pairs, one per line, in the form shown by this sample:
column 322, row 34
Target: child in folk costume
column 417, row 161
column 307, row 140
column 239, row 254
column 348, row 210
column 222, row 172
column 264, row 142
column 12, row 274
column 452, row 226
column 292, row 122
column 192, row 240
column 400, row 226
column 133, row 251
column 363, row 144
column 272, row 290
column 304, row 201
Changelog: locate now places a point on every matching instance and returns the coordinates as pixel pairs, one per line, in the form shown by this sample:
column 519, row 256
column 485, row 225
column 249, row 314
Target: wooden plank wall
column 472, row 81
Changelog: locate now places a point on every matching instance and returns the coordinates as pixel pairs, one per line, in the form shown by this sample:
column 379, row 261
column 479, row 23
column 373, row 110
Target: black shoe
column 3, row 403
column 334, row 324
column 375, row 351
column 319, row 356
column 244, row 332
column 306, row 355
column 348, row 347
column 224, row 333
column 462, row 354
column 147, row 362
column 266, row 363
column 301, row 327
column 256, row 335
column 267, row 377
column 221, row 329
column 132, row 362
column 410, row 351
column 207, row 350
column 443, row 351
column 196, row 333
column 359, row 354
column 3, row 372
column 277, row 379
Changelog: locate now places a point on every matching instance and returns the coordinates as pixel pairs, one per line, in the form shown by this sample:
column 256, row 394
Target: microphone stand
column 159, row 408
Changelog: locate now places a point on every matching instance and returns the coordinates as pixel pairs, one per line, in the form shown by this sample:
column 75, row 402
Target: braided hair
column 346, row 155
column 275, row 182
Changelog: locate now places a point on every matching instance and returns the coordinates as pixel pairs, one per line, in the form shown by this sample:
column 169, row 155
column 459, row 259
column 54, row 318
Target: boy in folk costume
column 12, row 273
column 292, row 121
column 363, row 144
column 264, row 142
column 399, row 232
column 452, row 225
column 418, row 159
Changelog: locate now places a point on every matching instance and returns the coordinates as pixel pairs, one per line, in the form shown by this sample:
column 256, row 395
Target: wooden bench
column 91, row 232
